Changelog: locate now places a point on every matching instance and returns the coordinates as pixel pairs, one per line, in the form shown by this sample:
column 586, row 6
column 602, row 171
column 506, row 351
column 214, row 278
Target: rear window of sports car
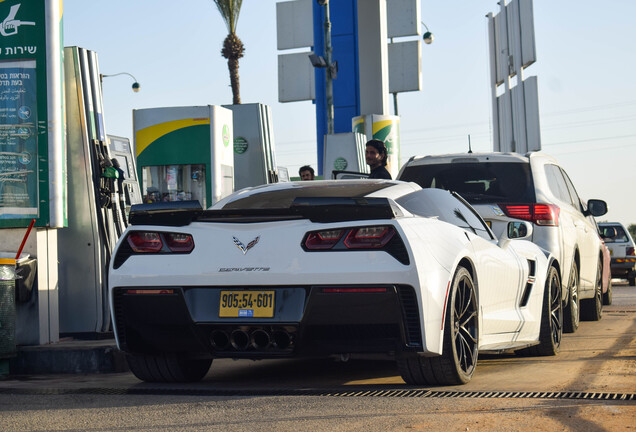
column 283, row 198
column 477, row 183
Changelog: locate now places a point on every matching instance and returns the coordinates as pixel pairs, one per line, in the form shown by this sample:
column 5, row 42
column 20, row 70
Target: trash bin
column 7, row 308
column 25, row 272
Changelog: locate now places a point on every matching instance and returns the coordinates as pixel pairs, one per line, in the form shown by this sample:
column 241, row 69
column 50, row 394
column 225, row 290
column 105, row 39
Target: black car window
column 477, row 182
column 445, row 207
column 556, row 183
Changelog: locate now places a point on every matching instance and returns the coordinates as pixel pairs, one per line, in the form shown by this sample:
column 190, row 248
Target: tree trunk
column 233, row 66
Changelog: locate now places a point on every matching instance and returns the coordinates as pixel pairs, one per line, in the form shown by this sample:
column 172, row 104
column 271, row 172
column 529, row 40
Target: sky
column 585, row 57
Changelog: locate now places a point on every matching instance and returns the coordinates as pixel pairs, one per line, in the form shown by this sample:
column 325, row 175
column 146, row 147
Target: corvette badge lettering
column 244, row 248
column 243, row 269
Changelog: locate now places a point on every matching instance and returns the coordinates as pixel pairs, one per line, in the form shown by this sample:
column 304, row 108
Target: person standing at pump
column 376, row 156
column 306, row 172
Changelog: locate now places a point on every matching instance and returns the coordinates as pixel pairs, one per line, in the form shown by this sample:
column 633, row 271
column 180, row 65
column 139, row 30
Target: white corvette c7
column 324, row 268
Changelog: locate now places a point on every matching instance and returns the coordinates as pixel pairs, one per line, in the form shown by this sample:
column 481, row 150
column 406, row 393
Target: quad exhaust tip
column 220, row 340
column 282, row 339
column 240, row 340
column 258, row 340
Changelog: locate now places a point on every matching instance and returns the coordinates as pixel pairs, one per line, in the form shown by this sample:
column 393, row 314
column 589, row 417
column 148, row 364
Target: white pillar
column 373, row 57
column 55, row 108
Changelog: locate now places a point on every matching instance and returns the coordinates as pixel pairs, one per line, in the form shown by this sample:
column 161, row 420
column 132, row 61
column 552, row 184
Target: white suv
column 506, row 186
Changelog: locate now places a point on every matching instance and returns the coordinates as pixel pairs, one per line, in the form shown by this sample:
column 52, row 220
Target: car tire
column 607, row 296
column 551, row 330
column 168, row 368
column 592, row 309
column 460, row 349
column 571, row 312
column 632, row 280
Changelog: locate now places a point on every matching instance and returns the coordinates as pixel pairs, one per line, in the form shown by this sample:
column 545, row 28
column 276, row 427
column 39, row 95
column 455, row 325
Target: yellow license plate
column 246, row 304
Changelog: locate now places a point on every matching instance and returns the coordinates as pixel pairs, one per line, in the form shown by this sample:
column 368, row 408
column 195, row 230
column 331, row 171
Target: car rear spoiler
column 316, row 209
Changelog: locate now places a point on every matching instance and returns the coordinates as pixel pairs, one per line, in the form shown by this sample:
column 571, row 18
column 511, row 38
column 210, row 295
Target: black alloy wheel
column 551, row 330
column 464, row 325
column 556, row 310
column 460, row 349
column 571, row 316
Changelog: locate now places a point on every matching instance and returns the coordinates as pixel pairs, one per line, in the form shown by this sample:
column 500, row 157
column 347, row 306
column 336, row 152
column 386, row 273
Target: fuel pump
column 96, row 213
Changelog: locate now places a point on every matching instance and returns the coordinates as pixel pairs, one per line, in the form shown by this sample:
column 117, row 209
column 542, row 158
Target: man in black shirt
column 376, row 156
column 306, row 172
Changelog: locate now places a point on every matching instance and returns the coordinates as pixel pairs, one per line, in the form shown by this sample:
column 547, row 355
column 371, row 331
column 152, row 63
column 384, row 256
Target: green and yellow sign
column 24, row 131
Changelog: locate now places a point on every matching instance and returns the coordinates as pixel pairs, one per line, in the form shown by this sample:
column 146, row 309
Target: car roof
column 611, row 224
column 477, row 157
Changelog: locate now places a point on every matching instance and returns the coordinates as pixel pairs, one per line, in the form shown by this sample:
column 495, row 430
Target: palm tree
column 233, row 48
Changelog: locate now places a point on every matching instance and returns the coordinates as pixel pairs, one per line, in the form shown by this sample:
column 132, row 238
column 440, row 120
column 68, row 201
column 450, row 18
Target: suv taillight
column 539, row 214
column 629, row 251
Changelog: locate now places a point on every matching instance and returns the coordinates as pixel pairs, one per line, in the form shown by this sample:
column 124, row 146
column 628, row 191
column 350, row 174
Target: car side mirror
column 596, row 207
column 519, row 230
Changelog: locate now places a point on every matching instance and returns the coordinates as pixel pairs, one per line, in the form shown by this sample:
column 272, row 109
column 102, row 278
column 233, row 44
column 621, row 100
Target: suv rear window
column 621, row 235
column 487, row 182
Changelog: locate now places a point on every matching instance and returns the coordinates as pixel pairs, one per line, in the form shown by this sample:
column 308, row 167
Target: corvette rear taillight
column 145, row 242
column 323, row 239
column 178, row 242
column 539, row 214
column 373, row 237
column 370, row 237
column 153, row 242
column 629, row 251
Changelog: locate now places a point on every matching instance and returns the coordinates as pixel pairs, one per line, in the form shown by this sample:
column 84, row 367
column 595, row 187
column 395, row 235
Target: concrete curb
column 69, row 357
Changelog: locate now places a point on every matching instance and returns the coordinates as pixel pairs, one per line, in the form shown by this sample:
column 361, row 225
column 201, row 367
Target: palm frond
column 229, row 10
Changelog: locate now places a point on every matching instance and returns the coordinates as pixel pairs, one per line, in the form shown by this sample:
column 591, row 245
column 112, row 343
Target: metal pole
column 395, row 102
column 508, row 142
column 497, row 138
column 328, row 76
column 395, row 109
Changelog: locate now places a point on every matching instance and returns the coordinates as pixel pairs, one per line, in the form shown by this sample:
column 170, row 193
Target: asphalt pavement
column 599, row 358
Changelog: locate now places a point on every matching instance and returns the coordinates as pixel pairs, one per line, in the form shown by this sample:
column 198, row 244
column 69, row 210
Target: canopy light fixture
column 428, row 36
column 135, row 87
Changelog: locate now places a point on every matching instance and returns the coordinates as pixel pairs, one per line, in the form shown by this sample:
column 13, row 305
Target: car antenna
column 470, row 150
